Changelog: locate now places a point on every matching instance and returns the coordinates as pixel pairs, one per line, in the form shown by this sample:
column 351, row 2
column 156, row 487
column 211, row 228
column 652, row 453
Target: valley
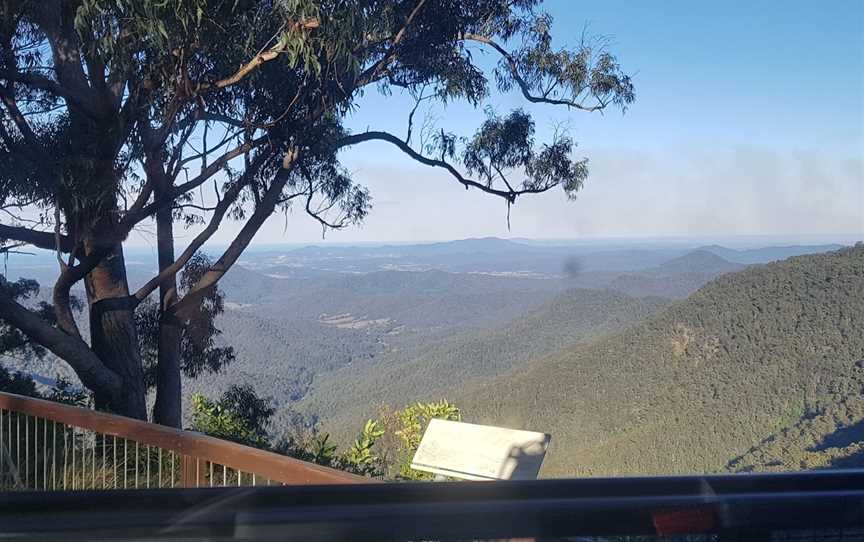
column 637, row 357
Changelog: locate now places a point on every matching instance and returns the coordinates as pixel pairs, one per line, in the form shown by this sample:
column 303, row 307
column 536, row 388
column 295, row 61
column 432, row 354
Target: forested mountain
column 702, row 382
column 676, row 278
column 346, row 397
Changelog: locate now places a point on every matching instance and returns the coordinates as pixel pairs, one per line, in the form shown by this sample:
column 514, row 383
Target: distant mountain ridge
column 696, row 261
column 767, row 254
column 676, row 278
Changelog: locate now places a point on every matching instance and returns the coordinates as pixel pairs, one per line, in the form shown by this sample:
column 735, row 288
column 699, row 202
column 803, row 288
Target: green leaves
column 360, row 457
column 586, row 77
column 239, row 416
column 505, row 145
column 200, row 353
column 500, row 144
column 412, row 422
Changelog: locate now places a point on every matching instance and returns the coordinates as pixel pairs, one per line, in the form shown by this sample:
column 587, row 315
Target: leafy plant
column 360, row 457
column 65, row 392
column 408, row 426
column 218, row 419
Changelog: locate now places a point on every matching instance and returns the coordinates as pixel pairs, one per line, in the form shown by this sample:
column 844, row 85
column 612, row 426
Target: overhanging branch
column 509, row 195
column 39, row 239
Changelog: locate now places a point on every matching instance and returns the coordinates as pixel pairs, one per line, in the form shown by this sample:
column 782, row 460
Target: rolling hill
column 702, row 382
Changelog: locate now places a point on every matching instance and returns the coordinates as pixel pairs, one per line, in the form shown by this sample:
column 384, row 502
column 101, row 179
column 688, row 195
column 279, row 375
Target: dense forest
column 833, row 437
column 698, row 385
column 434, row 370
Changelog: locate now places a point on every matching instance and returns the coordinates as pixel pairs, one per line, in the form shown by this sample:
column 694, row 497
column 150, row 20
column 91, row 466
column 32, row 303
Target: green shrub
column 217, row 420
column 407, row 426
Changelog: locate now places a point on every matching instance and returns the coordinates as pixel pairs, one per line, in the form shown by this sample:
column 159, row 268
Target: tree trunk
column 168, row 408
column 113, row 337
column 169, row 404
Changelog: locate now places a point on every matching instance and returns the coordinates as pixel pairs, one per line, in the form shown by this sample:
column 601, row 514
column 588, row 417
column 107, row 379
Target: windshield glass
column 416, row 241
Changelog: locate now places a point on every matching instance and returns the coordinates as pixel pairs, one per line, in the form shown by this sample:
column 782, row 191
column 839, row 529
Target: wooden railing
column 52, row 446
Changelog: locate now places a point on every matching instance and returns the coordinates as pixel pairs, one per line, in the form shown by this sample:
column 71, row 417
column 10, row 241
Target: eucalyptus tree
column 118, row 113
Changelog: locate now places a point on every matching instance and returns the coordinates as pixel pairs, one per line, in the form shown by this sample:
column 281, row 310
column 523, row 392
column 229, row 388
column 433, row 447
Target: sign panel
column 480, row 452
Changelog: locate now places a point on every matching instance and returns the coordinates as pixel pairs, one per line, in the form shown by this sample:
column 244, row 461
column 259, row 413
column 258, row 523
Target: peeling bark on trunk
column 113, row 337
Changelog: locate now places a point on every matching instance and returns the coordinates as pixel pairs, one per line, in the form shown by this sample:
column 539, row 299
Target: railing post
column 188, row 471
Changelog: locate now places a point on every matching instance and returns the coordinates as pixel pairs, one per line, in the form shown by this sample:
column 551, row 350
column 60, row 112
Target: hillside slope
column 345, row 397
column 832, row 438
column 701, row 382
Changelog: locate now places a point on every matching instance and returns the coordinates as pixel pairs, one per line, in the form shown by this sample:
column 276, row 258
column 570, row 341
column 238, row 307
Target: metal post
column 93, row 460
column 65, row 456
column 2, row 449
column 54, row 456
column 45, row 454
column 72, row 429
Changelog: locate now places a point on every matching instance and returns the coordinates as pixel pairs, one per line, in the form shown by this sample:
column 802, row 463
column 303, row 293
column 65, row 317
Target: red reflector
column 690, row 520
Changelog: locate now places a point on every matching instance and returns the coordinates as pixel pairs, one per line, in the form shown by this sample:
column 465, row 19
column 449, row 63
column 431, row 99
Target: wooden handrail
column 187, row 444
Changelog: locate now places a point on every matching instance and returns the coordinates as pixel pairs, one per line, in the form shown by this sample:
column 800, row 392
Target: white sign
column 480, row 452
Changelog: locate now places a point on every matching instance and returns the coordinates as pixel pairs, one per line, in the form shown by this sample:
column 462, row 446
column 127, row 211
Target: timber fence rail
column 51, row 446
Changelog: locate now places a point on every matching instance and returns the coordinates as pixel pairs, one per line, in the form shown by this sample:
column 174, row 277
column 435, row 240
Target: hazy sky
column 749, row 119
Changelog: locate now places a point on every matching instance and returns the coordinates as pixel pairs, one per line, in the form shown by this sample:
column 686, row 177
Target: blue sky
column 749, row 119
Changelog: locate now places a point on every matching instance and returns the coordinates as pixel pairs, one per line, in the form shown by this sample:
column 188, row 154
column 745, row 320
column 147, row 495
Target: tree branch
column 39, row 81
column 30, row 138
column 62, row 304
column 56, row 20
column 263, row 211
column 523, row 85
column 219, row 213
column 39, row 239
column 89, row 368
column 375, row 70
column 259, row 59
column 509, row 195
column 217, row 165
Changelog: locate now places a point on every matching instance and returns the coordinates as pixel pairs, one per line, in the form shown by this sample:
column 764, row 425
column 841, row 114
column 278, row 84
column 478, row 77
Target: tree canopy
column 114, row 113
